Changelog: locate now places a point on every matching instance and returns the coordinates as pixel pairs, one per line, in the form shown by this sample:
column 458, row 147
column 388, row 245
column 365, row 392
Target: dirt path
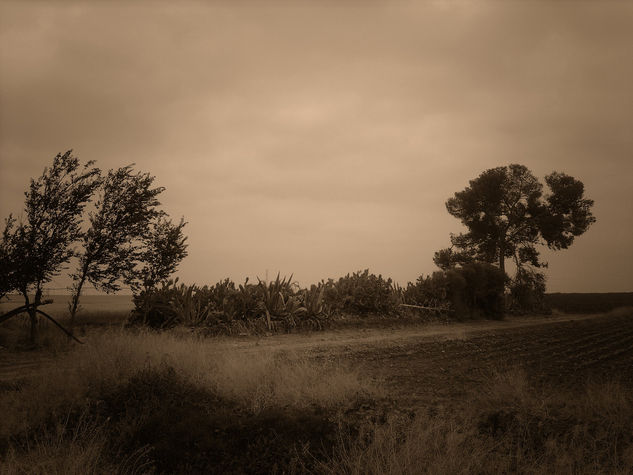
column 18, row 365
column 387, row 348
column 396, row 335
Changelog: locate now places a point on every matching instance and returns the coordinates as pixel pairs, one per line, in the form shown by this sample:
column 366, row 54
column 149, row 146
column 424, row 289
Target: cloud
column 322, row 138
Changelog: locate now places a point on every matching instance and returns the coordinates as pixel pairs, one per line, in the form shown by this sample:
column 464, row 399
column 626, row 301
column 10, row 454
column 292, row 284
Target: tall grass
column 256, row 382
column 510, row 428
column 60, row 450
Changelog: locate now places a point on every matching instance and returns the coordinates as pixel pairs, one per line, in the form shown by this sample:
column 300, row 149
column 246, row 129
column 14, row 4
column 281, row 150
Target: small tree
column 163, row 247
column 41, row 245
column 527, row 291
column 123, row 212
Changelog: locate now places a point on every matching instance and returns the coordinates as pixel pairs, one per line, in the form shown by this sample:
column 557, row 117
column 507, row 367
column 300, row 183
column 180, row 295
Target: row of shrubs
column 271, row 306
column 473, row 291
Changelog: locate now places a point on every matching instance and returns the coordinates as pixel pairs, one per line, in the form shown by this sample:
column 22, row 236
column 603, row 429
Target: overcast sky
column 319, row 139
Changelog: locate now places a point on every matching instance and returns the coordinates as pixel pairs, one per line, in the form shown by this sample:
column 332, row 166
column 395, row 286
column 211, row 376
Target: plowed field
column 446, row 370
column 442, row 364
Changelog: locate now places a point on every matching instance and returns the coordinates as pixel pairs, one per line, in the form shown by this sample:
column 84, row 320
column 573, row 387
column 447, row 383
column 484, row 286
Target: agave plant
column 192, row 304
column 241, row 303
column 278, row 301
column 154, row 307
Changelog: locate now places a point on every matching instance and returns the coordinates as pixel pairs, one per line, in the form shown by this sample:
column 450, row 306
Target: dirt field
column 440, row 364
column 445, row 371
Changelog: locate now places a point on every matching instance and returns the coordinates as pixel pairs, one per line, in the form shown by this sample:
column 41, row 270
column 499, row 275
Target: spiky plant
column 278, row 302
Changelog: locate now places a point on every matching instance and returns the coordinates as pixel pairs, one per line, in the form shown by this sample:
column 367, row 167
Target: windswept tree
column 8, row 258
column 122, row 216
column 40, row 245
column 125, row 239
column 508, row 215
column 163, row 247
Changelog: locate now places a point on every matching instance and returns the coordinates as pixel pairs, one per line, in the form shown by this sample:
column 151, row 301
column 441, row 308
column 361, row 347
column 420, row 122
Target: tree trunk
column 75, row 301
column 32, row 317
column 502, row 258
column 33, row 312
column 502, row 267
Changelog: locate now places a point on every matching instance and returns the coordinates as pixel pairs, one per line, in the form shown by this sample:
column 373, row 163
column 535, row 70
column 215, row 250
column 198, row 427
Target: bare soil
column 444, row 365
column 448, row 370
column 429, row 365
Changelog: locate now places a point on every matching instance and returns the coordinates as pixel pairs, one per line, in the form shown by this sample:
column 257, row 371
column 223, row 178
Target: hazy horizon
column 319, row 139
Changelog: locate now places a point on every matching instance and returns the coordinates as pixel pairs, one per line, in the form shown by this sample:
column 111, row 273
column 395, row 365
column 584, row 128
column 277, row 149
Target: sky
column 321, row 138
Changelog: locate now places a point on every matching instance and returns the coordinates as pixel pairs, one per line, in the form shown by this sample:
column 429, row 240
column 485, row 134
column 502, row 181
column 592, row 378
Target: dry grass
column 511, row 428
column 59, row 450
column 256, row 381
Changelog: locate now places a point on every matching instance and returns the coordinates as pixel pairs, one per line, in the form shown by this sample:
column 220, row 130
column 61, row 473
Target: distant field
column 89, row 304
column 589, row 302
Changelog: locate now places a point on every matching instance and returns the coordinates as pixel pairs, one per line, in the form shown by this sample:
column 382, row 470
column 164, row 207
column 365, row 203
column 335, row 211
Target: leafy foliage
column 280, row 305
column 127, row 238
column 362, row 293
column 38, row 248
column 9, row 267
column 473, row 290
column 527, row 292
column 53, row 208
column 568, row 212
column 269, row 306
column 507, row 216
column 163, row 247
column 126, row 205
column 476, row 290
column 430, row 291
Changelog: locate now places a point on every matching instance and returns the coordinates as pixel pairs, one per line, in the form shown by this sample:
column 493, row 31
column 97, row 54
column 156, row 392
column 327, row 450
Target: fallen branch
column 26, row 308
column 60, row 327
column 439, row 309
column 22, row 309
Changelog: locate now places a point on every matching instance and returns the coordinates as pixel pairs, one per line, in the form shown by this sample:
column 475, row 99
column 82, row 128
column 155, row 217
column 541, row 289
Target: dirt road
column 439, row 362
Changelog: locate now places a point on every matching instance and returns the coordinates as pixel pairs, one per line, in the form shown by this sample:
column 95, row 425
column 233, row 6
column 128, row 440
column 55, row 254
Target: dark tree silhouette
column 8, row 258
column 37, row 249
column 163, row 247
column 125, row 238
column 124, row 209
column 508, row 215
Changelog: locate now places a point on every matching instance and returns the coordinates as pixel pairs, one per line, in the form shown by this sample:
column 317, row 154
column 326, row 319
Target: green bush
column 473, row 290
column 477, row 290
column 430, row 291
column 527, row 293
column 362, row 293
